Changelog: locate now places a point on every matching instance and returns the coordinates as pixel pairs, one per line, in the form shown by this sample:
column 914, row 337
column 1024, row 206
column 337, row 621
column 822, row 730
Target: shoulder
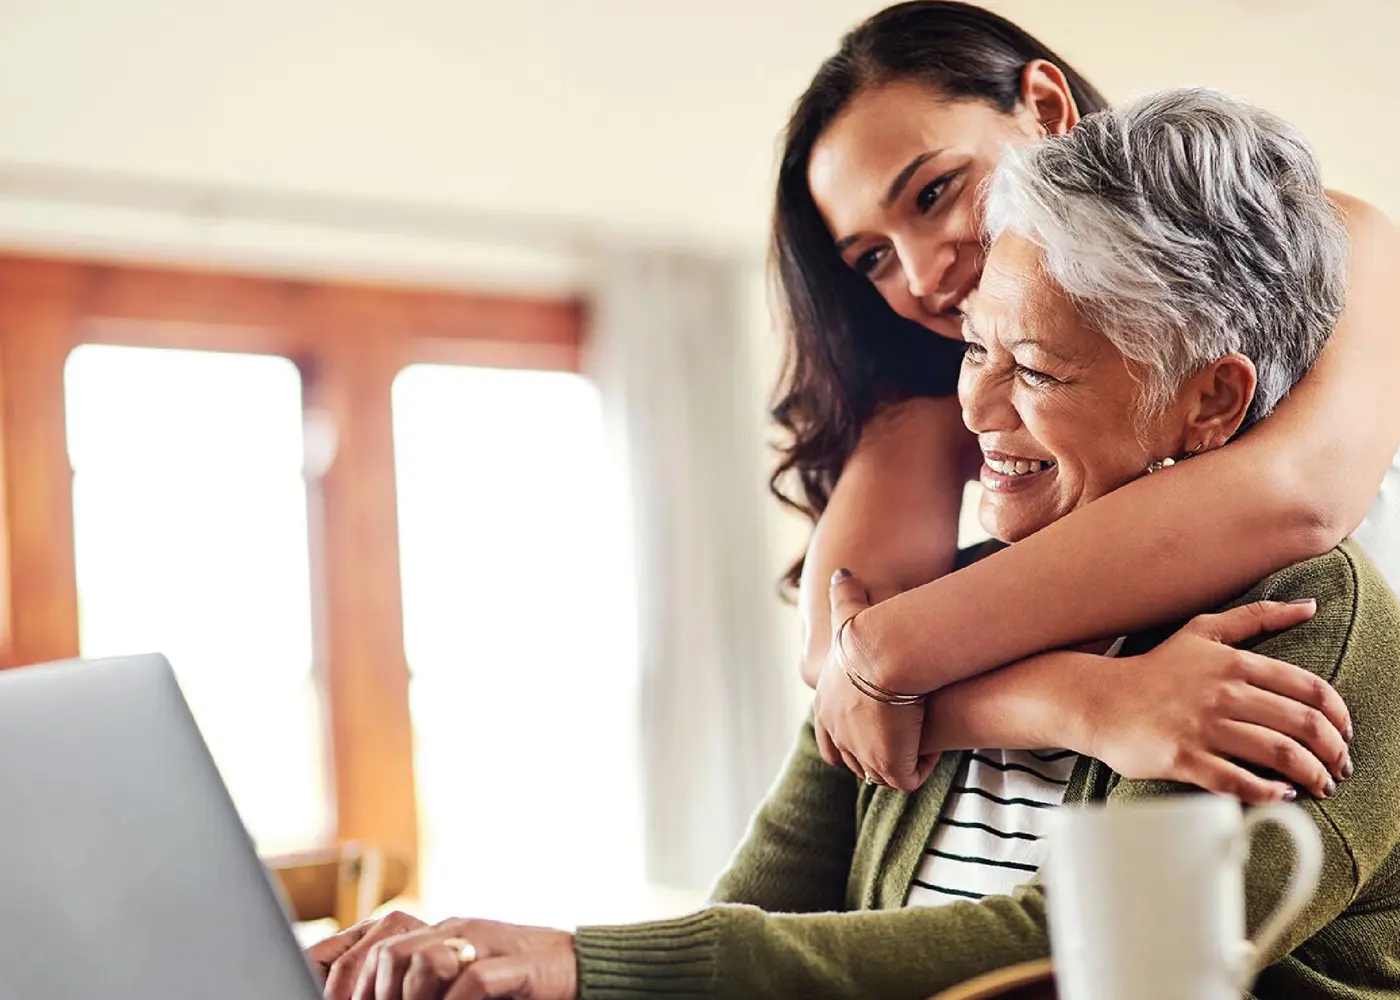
column 909, row 447
column 1358, row 211
column 1353, row 642
column 1333, row 577
column 1369, row 229
column 1357, row 625
column 915, row 420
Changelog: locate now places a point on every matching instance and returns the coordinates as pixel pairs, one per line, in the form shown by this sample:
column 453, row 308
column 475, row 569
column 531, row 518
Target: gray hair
column 1185, row 226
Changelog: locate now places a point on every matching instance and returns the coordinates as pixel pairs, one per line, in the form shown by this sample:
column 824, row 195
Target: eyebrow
column 903, row 178
column 897, row 186
column 1019, row 342
column 1040, row 345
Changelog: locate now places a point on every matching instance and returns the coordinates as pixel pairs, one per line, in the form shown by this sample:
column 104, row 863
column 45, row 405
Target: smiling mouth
column 954, row 309
column 1003, row 473
column 1017, row 466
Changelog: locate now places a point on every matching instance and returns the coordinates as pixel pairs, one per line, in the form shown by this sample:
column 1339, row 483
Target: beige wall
column 1328, row 65
column 656, row 117
column 639, row 120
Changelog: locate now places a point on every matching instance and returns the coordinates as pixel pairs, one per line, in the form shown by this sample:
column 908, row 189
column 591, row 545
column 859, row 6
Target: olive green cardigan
column 812, row 905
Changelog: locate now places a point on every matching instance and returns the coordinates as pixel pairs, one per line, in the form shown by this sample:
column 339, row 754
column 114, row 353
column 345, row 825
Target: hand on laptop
column 402, row 958
column 338, row 959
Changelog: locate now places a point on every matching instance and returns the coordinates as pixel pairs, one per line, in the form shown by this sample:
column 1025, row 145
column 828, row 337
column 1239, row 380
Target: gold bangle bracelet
column 863, row 684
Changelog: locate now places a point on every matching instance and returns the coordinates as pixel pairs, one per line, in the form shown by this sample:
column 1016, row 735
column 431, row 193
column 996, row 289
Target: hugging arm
column 893, row 516
column 738, row 951
column 1193, row 709
column 1289, row 489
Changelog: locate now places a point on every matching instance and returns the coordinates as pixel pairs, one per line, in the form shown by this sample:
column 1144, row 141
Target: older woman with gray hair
column 1157, row 280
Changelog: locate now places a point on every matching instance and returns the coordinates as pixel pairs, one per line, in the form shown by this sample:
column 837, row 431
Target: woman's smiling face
column 1055, row 406
column 896, row 175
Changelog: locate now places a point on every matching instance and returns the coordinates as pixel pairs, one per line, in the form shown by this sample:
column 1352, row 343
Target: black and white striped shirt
column 990, row 837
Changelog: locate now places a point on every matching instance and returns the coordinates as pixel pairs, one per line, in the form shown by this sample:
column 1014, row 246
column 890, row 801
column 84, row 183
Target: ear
column 1045, row 93
column 1215, row 401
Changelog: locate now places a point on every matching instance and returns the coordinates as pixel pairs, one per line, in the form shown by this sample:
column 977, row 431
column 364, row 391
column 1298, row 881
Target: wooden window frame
column 349, row 341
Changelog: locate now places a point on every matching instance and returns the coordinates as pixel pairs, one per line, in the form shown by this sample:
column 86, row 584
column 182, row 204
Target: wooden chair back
column 344, row 883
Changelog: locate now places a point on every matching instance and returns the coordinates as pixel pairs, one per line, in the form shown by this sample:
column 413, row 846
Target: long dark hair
column 848, row 352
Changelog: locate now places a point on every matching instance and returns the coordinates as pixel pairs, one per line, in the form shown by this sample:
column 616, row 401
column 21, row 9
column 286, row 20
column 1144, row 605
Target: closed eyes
column 976, row 354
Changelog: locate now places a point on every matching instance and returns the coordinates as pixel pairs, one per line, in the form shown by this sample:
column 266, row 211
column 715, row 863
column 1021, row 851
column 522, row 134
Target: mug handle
column 1307, row 847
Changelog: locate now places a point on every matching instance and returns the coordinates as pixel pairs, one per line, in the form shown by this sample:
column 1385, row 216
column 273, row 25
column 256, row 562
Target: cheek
column 1072, row 433
column 966, row 386
column 895, row 291
column 1123, row 460
column 963, row 222
column 1097, row 452
column 1048, row 420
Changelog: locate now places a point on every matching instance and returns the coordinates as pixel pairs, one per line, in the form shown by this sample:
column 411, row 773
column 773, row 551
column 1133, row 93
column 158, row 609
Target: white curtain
column 667, row 347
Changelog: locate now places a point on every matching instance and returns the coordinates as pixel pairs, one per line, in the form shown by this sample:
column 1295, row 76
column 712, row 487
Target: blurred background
column 399, row 370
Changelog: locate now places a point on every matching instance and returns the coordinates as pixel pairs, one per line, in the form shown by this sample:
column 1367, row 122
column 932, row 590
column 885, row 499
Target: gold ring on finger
column 463, row 949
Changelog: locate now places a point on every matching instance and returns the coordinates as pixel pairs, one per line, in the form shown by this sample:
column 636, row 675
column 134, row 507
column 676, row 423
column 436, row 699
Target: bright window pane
column 518, row 619
column 190, row 522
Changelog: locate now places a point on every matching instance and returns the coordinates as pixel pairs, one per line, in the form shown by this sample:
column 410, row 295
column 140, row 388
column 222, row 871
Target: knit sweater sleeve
column 796, row 855
column 794, row 864
column 742, row 953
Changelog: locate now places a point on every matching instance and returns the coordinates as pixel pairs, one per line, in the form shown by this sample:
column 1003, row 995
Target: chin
column 1008, row 526
column 947, row 327
column 1007, row 536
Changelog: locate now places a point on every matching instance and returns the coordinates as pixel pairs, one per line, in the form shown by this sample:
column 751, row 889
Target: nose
column 985, row 395
column 926, row 265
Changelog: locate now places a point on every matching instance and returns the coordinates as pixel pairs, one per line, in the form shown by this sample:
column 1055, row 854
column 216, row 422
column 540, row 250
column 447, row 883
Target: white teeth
column 1016, row 467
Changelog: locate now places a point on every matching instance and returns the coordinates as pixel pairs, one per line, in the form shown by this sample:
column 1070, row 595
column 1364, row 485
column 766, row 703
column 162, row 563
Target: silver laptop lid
column 125, row 872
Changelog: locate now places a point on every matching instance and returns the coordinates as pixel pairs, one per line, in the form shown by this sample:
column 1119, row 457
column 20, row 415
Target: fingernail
column 840, row 574
column 1346, row 768
column 1290, row 794
column 1350, row 734
column 1329, row 789
column 1303, row 600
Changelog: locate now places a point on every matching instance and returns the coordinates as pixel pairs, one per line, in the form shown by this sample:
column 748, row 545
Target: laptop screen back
column 125, row 872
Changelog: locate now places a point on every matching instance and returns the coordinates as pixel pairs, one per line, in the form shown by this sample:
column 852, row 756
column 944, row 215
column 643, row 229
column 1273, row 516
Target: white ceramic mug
column 1146, row 900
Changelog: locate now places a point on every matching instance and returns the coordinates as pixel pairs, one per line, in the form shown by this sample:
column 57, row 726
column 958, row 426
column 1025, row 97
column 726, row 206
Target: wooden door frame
column 349, row 341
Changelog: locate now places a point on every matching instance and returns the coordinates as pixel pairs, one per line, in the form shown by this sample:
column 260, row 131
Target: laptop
column 125, row 872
